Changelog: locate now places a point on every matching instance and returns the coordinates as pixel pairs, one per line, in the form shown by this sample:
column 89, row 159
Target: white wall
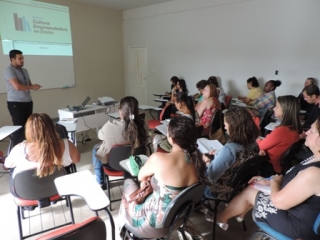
column 231, row 39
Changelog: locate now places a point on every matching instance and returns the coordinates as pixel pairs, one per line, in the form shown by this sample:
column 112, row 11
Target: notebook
column 205, row 145
column 78, row 108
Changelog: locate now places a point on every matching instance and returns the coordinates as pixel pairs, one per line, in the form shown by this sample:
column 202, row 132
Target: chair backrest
column 246, row 171
column 28, row 186
column 165, row 112
column 62, row 131
column 217, row 121
column 182, row 205
column 121, row 152
column 142, row 115
column 227, row 100
column 199, row 130
column 290, row 154
column 93, row 228
column 265, row 120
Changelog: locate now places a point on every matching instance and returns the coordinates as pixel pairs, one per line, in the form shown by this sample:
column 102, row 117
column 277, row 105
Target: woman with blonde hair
column 42, row 149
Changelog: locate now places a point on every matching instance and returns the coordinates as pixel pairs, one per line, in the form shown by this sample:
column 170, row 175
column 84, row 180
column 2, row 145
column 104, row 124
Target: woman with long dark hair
column 131, row 129
column 163, row 168
column 283, row 136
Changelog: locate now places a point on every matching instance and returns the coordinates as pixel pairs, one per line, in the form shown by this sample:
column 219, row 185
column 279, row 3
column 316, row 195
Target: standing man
column 19, row 100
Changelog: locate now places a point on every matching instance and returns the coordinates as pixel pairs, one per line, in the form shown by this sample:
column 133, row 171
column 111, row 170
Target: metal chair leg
column 19, row 222
column 109, row 191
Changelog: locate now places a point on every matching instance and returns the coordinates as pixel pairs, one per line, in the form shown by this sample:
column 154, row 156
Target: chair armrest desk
column 82, row 184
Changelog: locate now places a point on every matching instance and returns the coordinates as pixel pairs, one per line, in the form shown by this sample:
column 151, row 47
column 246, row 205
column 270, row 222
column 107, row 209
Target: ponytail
column 190, row 106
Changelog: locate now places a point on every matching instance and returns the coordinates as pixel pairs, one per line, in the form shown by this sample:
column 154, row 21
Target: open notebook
column 206, row 145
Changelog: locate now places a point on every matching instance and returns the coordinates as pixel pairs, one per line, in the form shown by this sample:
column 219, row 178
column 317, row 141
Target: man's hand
column 35, row 86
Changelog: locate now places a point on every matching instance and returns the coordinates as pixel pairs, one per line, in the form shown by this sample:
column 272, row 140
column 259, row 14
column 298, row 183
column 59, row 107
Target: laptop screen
column 85, row 102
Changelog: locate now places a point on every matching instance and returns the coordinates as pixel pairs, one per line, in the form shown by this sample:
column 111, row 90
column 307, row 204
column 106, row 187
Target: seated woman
column 174, row 80
column 184, row 104
column 304, row 105
column 241, row 146
column 267, row 100
column 283, row 136
column 207, row 107
column 220, row 93
column 254, row 91
column 180, row 87
column 131, row 129
column 173, row 90
column 163, row 168
column 43, row 149
column 200, row 86
column 294, row 202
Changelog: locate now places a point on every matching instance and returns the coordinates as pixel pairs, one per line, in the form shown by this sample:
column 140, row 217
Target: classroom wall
column 98, row 61
column 231, row 39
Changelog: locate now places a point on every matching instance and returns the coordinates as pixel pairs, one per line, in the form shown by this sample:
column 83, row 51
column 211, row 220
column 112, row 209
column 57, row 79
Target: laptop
column 78, row 108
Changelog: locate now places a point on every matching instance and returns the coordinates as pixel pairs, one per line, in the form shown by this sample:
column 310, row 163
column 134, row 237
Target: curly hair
column 242, row 128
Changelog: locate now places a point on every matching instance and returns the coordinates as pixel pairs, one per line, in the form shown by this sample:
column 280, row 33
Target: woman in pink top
column 283, row 136
column 207, row 107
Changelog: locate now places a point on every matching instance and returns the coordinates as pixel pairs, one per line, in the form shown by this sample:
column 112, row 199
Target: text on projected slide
column 37, row 28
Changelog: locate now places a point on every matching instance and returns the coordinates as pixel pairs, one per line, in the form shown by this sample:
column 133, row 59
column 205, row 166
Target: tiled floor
column 8, row 219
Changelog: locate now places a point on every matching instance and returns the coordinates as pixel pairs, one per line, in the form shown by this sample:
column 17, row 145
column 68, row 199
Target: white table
column 241, row 104
column 272, row 125
column 92, row 116
column 114, row 115
column 161, row 100
column 124, row 163
column 163, row 128
column 150, row 108
column 83, row 184
column 5, row 132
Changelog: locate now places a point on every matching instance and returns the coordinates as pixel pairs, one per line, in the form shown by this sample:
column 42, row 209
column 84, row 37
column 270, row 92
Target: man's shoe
column 103, row 186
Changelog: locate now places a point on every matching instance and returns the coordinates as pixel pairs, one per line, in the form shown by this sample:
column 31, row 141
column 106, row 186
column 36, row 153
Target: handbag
column 135, row 164
column 140, row 195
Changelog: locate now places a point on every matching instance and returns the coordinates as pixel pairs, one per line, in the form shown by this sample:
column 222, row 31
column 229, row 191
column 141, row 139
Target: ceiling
column 122, row 5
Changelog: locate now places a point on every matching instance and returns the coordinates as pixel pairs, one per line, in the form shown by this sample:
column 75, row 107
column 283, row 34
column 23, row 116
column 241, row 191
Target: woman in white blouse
column 43, row 149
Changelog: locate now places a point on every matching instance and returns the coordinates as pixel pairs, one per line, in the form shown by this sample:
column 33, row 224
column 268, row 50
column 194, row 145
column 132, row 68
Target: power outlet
column 276, row 72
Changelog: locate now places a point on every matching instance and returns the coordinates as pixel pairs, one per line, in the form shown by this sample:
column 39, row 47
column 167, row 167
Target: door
column 137, row 73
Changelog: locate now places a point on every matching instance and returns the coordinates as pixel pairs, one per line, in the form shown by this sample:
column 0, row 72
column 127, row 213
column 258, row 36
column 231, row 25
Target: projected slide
column 42, row 32
column 40, row 28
